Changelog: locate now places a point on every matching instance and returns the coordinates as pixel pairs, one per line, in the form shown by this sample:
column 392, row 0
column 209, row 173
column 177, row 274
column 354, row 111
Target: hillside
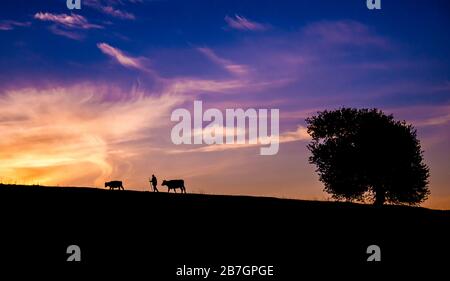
column 165, row 230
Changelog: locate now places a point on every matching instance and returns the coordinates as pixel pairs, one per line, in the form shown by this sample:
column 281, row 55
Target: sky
column 86, row 95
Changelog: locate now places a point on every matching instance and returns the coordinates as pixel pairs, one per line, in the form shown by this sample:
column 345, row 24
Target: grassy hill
column 164, row 230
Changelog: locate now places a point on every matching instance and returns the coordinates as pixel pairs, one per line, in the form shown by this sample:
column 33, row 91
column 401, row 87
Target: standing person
column 154, row 182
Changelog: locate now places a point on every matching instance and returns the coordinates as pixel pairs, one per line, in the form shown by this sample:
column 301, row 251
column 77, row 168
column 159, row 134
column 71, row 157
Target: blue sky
column 418, row 27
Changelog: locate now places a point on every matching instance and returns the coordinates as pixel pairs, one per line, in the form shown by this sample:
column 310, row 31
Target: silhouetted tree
column 364, row 153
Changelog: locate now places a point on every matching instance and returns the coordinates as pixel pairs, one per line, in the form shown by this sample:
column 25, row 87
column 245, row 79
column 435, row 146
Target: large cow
column 114, row 184
column 174, row 184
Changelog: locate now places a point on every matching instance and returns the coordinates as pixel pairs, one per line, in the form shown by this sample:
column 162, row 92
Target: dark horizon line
column 263, row 197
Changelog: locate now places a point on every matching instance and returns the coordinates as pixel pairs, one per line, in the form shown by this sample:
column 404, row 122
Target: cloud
column 424, row 115
column 118, row 13
column 300, row 134
column 72, row 21
column 242, row 23
column 11, row 24
column 123, row 59
column 109, row 9
column 49, row 134
column 186, row 85
column 436, row 121
column 233, row 68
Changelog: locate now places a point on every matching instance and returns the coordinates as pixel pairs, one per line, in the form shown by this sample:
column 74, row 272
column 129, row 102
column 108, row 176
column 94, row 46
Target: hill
column 165, row 230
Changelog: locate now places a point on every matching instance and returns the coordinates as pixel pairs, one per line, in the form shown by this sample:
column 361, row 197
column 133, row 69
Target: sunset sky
column 86, row 95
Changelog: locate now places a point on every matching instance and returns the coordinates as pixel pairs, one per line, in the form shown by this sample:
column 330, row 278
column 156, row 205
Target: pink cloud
column 65, row 33
column 195, row 86
column 192, row 85
column 300, row 134
column 39, row 148
column 68, row 21
column 242, row 23
column 122, row 58
column 425, row 115
column 117, row 13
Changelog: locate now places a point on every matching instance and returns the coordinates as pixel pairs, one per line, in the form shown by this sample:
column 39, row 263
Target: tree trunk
column 380, row 197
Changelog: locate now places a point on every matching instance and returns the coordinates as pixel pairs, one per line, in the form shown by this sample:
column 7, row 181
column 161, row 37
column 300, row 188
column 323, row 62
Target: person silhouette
column 154, row 182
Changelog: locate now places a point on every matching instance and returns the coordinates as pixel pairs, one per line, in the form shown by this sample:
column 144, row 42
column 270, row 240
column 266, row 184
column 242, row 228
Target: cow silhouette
column 174, row 184
column 114, row 184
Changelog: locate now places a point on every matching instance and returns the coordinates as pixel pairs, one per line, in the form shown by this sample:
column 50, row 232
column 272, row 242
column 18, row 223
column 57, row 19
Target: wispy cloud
column 65, row 33
column 300, row 134
column 184, row 85
column 109, row 9
column 90, row 130
column 121, row 58
column 344, row 32
column 11, row 24
column 233, row 68
column 196, row 86
column 425, row 115
column 118, row 13
column 241, row 23
column 72, row 21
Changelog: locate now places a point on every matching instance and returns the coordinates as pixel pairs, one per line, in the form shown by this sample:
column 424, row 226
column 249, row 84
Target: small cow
column 114, row 184
column 174, row 184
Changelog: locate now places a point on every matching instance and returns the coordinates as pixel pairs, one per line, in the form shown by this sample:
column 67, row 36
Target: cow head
column 164, row 182
column 106, row 184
